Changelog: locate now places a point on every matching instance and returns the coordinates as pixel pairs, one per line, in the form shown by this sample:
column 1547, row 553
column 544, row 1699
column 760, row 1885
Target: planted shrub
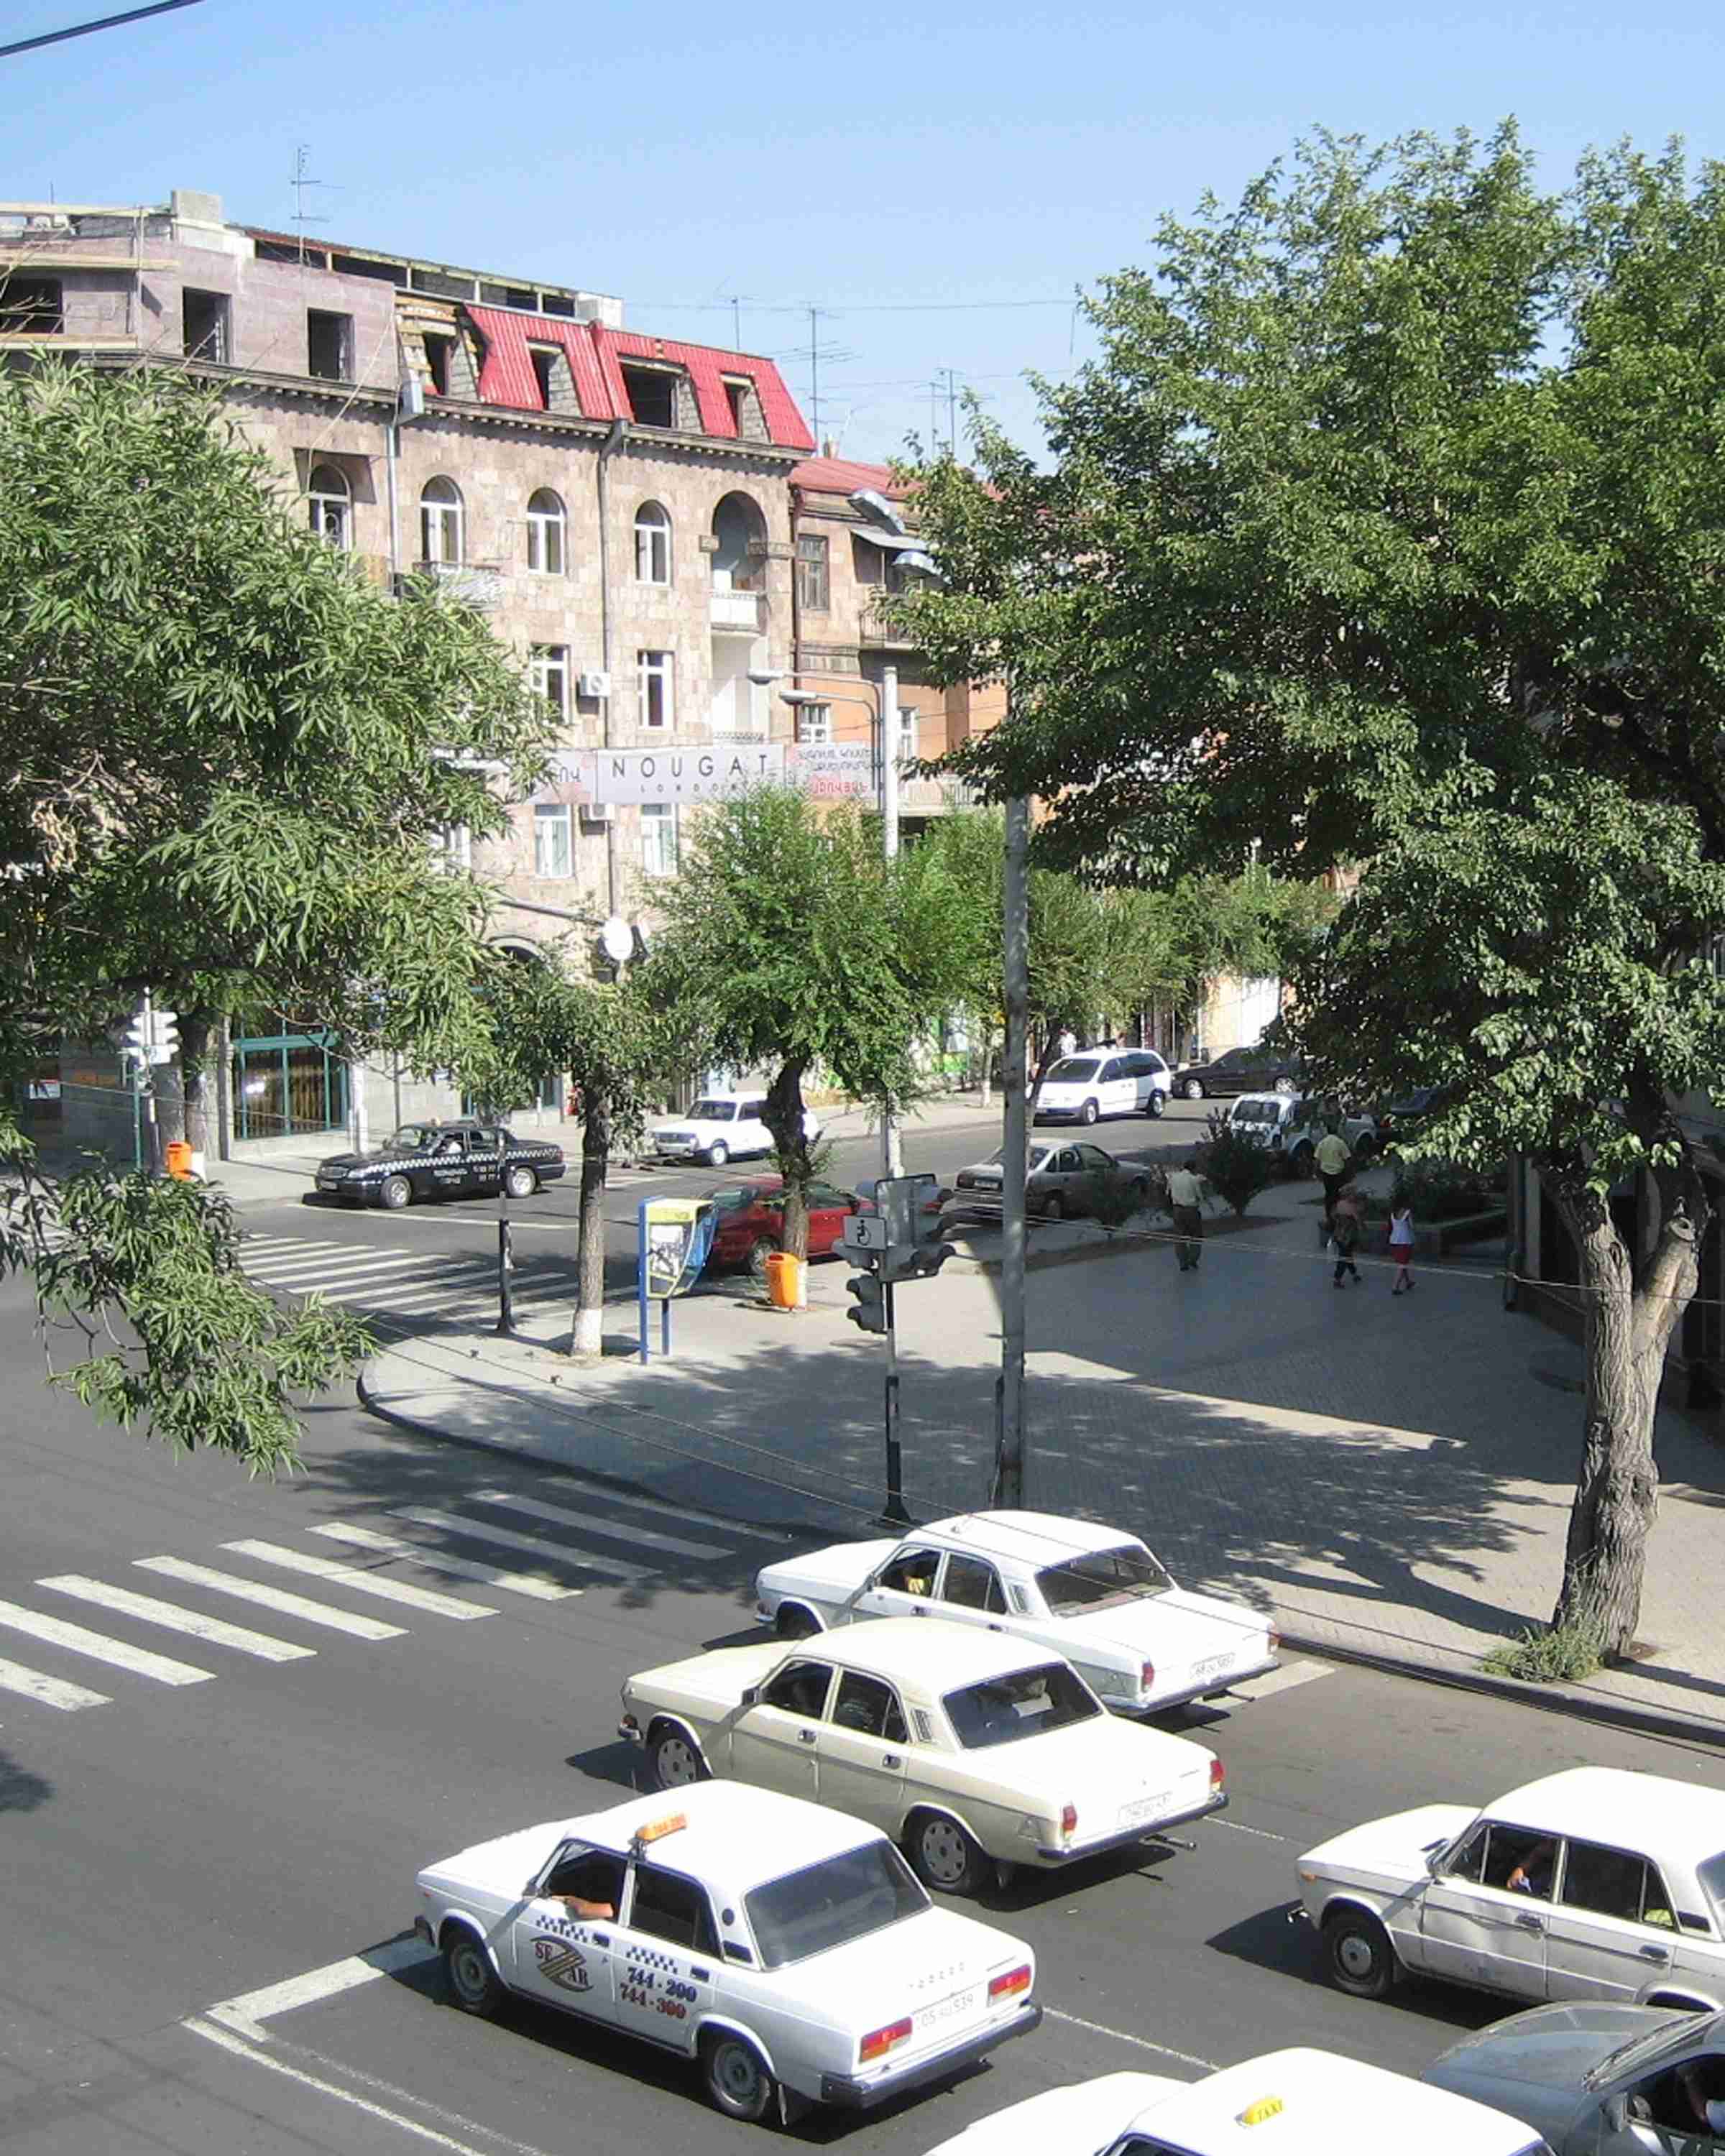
column 1236, row 1167
column 1438, row 1190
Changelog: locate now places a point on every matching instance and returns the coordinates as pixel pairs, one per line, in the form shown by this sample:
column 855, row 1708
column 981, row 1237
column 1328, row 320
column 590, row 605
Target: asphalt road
column 182, row 1844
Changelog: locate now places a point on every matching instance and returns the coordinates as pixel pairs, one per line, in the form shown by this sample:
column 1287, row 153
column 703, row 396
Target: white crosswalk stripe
column 534, row 1584
column 50, row 1692
column 462, row 1523
column 77, row 1640
column 273, row 1598
column 215, row 1631
column 351, row 1577
column 620, row 1530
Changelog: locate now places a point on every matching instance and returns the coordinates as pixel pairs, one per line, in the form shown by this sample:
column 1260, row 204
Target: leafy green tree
column 226, row 758
column 1388, row 523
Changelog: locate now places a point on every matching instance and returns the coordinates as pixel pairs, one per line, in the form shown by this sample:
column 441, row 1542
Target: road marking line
column 50, row 1692
column 460, row 1523
column 246, row 2013
column 1283, row 1679
column 1261, row 1833
column 99, row 1648
column 281, row 1272
column 273, row 1598
column 361, row 1583
column 460, row 1567
column 621, row 1530
column 215, row 1631
column 689, row 1515
column 1120, row 2036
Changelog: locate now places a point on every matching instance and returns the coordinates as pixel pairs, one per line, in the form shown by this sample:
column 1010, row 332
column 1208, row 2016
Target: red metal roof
column 595, row 354
column 840, row 475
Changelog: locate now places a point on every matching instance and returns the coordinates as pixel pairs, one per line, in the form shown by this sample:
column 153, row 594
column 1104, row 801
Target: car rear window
column 1073, row 1070
column 1026, row 1703
column 831, row 1903
column 1257, row 1112
column 1100, row 1578
column 733, row 1201
column 1711, row 1872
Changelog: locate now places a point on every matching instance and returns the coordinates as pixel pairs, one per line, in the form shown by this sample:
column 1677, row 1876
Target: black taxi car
column 463, row 1159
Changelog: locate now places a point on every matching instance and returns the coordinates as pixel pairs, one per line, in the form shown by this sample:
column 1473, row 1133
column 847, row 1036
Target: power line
column 848, row 307
column 84, row 30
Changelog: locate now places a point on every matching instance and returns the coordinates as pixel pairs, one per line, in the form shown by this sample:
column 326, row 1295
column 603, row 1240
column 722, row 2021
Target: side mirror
column 1432, row 1856
column 750, row 1693
column 1616, row 2113
column 531, row 1887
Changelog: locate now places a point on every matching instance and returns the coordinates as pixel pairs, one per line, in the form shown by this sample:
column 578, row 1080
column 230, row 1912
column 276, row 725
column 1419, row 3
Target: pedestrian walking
column 1401, row 1247
column 1185, row 1194
column 1333, row 1159
column 1344, row 1236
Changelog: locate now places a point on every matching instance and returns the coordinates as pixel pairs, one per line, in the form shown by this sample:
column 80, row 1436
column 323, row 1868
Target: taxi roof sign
column 1266, row 2106
column 656, row 1829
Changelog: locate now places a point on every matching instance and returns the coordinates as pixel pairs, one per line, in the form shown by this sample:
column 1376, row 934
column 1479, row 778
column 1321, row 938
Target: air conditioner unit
column 595, row 812
column 595, row 683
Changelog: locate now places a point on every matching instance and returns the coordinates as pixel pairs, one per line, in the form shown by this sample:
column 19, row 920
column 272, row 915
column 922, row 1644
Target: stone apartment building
column 618, row 504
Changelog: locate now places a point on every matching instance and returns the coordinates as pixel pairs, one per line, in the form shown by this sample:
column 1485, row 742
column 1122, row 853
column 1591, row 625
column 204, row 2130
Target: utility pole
column 1009, row 1466
column 891, row 1151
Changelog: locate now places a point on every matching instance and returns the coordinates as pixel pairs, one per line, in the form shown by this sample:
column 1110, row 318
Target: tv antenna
column 301, row 181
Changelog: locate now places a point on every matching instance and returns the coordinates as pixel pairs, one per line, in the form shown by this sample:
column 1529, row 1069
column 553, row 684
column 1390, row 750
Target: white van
column 1307, row 2103
column 1104, row 1081
column 1291, row 1124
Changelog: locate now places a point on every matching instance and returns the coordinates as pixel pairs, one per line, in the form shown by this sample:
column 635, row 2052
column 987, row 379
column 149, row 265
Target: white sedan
column 1096, row 1596
column 970, row 1749
column 787, row 1949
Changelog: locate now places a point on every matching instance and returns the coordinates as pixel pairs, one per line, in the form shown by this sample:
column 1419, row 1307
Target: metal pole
column 149, row 1117
column 506, row 1258
column 891, row 1151
column 893, row 1515
column 1015, row 943
column 137, row 1116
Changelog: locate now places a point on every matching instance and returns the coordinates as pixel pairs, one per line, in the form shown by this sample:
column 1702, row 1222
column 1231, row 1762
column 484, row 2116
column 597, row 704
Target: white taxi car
column 963, row 1746
column 1595, row 1883
column 720, row 1126
column 1096, row 1596
column 787, row 1949
column 1286, row 2103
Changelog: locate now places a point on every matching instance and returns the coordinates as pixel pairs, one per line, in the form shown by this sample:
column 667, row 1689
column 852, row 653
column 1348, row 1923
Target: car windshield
column 713, row 1111
column 1102, row 1577
column 831, row 1903
column 1643, row 2056
column 1027, row 1703
column 1073, row 1070
column 410, row 1137
column 1711, row 1872
column 1257, row 1112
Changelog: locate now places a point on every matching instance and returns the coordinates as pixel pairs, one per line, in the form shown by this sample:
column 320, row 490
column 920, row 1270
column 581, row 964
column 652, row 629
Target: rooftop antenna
column 302, row 215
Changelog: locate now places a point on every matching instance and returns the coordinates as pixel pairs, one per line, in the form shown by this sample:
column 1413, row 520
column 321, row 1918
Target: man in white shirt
column 1185, row 1194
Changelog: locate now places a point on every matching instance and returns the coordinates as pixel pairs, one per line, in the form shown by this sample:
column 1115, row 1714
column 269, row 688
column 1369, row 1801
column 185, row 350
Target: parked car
column 720, row 1126
column 1291, row 1124
column 1315, row 2104
column 1095, row 1595
column 1597, row 2080
column 1059, row 1184
column 1240, row 1070
column 1104, row 1081
column 463, row 1159
column 968, row 1748
column 750, row 1225
column 785, row 1948
column 1595, row 1883
column 1403, row 1118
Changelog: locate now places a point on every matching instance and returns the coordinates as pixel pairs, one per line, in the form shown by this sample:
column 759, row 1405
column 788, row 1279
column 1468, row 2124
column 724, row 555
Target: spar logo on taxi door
column 561, row 1963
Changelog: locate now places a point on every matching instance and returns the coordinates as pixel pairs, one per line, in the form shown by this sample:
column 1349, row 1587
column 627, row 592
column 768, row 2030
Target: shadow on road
column 20, row 1789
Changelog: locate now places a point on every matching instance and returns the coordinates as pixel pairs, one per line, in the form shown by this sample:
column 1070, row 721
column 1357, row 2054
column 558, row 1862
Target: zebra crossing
column 406, row 1283
column 477, row 1542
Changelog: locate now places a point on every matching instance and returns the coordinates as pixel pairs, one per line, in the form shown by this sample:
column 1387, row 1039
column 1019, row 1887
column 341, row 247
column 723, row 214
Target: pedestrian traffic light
column 870, row 1293
column 131, row 1036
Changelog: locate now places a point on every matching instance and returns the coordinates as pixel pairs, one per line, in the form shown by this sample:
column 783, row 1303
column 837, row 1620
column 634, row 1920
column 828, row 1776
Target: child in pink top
column 1401, row 1247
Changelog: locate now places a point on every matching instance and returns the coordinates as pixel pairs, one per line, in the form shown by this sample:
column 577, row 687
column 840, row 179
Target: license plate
column 955, row 2008
column 980, row 1184
column 327, row 1182
column 1144, row 1808
column 1212, row 1665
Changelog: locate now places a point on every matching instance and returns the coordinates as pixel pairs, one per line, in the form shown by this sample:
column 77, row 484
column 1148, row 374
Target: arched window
column 441, row 522
column 547, row 531
column 653, row 544
column 332, row 505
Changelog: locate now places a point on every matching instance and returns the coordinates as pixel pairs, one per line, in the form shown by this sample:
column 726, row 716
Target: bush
column 1112, row 1202
column 1236, row 1167
column 1554, row 1654
column 1438, row 1190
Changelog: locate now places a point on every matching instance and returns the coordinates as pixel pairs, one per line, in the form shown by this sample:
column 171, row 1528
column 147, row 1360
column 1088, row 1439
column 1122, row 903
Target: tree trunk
column 986, row 1082
column 196, row 1028
column 783, row 1116
column 595, row 1157
column 1627, row 1316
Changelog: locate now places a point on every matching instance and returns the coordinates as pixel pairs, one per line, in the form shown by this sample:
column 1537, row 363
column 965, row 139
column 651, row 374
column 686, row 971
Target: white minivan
column 1104, row 1081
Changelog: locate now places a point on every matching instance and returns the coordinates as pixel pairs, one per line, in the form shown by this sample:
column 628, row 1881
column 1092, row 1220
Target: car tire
column 757, row 1257
column 1362, row 1960
column 1302, row 1161
column 396, row 1192
column 674, row 1763
column 1365, row 1145
column 1089, row 1113
column 1193, row 1089
column 944, row 1855
column 794, row 1622
column 473, row 1985
column 717, row 1155
column 735, row 2076
column 521, row 1183
column 1157, row 1104
column 1053, row 1208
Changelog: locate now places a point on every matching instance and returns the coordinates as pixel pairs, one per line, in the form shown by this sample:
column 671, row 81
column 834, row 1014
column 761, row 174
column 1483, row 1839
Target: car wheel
column 1365, row 1145
column 1089, row 1112
column 521, row 1183
column 474, row 1985
column 944, row 1855
column 673, row 1762
column 737, row 2078
column 717, row 1155
column 396, row 1192
column 1285, row 1086
column 1301, row 1162
column 1194, row 1089
column 1054, row 1209
column 795, row 1623
column 1157, row 1102
column 758, row 1259
column 1362, row 1960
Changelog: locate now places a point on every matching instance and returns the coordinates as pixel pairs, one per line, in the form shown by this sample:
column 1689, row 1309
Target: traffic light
column 149, row 1034
column 920, row 1263
column 871, row 1292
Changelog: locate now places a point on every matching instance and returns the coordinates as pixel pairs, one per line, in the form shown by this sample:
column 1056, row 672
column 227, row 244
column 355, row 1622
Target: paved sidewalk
column 1391, row 1477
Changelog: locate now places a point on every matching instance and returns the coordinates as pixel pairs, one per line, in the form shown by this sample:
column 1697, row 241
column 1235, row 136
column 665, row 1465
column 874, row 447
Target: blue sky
column 868, row 162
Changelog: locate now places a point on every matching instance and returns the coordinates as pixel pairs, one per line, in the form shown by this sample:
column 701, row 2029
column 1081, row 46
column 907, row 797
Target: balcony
column 477, row 584
column 874, row 627
column 738, row 613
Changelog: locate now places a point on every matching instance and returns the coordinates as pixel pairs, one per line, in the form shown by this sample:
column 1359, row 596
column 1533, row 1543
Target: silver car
column 1060, row 1185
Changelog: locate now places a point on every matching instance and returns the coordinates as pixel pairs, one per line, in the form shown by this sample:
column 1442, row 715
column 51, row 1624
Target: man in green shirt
column 1333, row 1159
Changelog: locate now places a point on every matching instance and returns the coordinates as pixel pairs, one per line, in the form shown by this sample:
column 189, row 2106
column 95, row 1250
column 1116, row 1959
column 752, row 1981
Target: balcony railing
column 742, row 614
column 876, row 626
column 479, row 584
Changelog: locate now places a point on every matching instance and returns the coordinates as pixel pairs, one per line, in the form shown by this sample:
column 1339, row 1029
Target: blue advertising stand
column 675, row 1235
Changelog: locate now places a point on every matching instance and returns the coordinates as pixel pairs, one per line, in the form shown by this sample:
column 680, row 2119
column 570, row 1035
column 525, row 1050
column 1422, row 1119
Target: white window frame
column 653, row 544
column 659, row 838
column 442, row 523
column 656, row 669
column 548, row 534
column 553, row 834
column 548, row 671
column 332, row 511
column 453, row 844
column 815, row 724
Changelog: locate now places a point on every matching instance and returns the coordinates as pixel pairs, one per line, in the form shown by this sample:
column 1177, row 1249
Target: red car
column 751, row 1222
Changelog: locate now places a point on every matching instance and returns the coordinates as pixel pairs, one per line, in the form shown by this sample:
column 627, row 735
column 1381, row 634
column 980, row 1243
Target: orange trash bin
column 179, row 1159
column 784, row 1281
